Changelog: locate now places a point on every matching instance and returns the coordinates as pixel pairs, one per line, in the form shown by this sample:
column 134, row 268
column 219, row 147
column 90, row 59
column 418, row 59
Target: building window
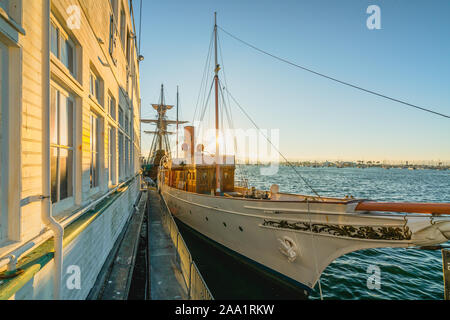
column 63, row 47
column 121, row 159
column 130, row 126
column 54, row 36
column 120, row 117
column 112, row 37
column 126, row 124
column 129, row 44
column 112, row 156
column 61, row 145
column 112, row 106
column 95, row 140
column 4, row 4
column 13, row 9
column 96, row 87
column 127, row 156
column 122, row 28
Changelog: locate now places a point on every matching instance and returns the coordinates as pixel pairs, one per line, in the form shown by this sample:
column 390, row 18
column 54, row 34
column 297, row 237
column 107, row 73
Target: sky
column 408, row 59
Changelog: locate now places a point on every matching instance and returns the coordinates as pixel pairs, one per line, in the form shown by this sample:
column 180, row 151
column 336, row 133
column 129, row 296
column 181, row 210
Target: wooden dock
column 166, row 279
column 144, row 263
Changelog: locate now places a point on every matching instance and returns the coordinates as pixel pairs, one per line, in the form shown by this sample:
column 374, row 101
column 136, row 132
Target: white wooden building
column 69, row 137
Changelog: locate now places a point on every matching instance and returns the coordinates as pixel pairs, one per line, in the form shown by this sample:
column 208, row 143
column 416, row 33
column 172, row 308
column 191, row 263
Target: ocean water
column 404, row 273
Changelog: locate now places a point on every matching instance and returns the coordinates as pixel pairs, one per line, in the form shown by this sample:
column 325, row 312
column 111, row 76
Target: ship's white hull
column 298, row 239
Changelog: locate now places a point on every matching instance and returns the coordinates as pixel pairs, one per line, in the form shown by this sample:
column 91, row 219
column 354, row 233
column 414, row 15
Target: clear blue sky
column 409, row 58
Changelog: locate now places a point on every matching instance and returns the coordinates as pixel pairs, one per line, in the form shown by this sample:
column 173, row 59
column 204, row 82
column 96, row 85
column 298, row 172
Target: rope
column 242, row 169
column 314, row 250
column 334, row 79
column 276, row 149
column 206, row 103
column 207, row 62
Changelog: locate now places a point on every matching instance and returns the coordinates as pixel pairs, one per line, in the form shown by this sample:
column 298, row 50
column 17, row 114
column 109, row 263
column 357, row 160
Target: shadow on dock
column 166, row 280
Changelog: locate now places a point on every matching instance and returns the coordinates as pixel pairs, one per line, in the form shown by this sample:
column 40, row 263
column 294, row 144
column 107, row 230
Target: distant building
column 71, row 134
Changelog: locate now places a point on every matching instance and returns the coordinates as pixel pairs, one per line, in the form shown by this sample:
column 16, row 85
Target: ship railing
column 195, row 284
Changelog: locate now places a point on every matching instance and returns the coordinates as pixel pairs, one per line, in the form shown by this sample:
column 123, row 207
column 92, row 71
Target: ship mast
column 216, row 84
column 177, row 121
column 161, row 118
column 160, row 144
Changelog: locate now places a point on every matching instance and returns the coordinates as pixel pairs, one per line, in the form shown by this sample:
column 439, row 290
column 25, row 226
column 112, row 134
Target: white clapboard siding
column 92, row 53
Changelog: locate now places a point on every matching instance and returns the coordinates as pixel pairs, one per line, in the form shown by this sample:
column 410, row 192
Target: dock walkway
column 166, row 280
column 115, row 278
column 145, row 263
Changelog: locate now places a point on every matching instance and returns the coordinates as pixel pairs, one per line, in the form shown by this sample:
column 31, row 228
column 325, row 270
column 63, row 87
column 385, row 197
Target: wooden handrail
column 429, row 208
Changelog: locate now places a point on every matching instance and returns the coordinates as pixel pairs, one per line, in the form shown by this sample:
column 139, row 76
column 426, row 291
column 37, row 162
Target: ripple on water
column 405, row 273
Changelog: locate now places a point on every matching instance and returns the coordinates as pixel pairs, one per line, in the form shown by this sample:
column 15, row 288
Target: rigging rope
column 203, row 111
column 243, row 174
column 276, row 149
column 204, row 81
column 331, row 78
column 206, row 102
column 242, row 169
column 313, row 242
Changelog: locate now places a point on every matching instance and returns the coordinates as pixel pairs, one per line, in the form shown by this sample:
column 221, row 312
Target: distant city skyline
column 384, row 161
column 318, row 119
column 387, row 162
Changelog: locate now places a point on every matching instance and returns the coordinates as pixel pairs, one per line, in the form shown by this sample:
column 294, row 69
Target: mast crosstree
column 160, row 144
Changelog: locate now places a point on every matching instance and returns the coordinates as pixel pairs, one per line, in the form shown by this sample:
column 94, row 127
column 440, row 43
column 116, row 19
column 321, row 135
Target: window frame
column 128, row 47
column 63, row 37
column 13, row 9
column 112, row 156
column 127, row 156
column 63, row 204
column 96, row 91
column 120, row 152
column 123, row 27
column 95, row 142
column 120, row 119
column 112, row 37
column 113, row 113
column 11, row 131
column 5, row 6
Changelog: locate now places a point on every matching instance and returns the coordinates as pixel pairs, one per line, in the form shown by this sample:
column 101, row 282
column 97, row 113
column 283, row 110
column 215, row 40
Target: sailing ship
column 160, row 144
column 294, row 236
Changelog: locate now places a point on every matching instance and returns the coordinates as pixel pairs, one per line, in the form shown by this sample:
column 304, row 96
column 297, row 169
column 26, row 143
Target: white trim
column 95, row 168
column 62, row 36
column 13, row 19
column 112, row 156
column 11, row 126
column 97, row 97
column 3, row 127
column 62, row 205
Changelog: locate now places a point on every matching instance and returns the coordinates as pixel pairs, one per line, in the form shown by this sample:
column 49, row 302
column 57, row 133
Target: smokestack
column 189, row 142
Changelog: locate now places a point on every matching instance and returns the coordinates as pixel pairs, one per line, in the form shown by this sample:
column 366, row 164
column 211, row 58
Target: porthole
column 206, row 218
column 224, row 224
column 240, row 228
